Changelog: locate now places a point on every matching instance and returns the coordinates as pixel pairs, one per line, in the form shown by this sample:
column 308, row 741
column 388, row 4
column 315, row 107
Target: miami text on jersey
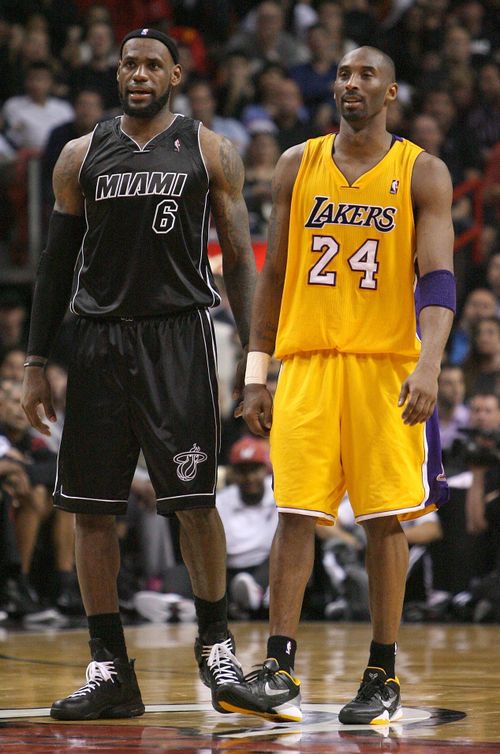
column 325, row 212
column 139, row 184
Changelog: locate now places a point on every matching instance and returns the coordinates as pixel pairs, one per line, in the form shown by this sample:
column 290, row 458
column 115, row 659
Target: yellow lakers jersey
column 349, row 283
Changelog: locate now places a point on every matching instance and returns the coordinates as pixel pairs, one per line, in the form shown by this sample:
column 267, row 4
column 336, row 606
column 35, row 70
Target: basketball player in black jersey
column 127, row 250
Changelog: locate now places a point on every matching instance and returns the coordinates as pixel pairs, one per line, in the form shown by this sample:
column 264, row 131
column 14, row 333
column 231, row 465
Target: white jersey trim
column 80, row 253
column 305, row 512
column 95, row 499
column 144, row 148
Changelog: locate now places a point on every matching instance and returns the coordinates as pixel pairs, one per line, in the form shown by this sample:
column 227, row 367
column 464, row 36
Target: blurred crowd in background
column 261, row 74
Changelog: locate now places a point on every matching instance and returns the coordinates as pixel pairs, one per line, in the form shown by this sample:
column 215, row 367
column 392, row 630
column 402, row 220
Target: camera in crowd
column 478, row 447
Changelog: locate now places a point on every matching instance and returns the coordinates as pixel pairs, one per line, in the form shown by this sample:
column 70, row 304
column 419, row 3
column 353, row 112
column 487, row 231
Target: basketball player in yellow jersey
column 355, row 404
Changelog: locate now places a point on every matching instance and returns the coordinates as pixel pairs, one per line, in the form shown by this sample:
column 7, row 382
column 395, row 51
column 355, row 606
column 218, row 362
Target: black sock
column 283, row 649
column 383, row 656
column 212, row 619
column 108, row 628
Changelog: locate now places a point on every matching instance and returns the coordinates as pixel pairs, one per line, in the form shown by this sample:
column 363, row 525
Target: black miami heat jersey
column 147, row 210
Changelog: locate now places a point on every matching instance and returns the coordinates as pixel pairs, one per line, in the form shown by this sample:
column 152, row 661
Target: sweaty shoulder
column 67, row 190
column 431, row 180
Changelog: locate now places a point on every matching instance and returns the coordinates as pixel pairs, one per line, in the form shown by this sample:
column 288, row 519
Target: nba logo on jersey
column 144, row 32
column 394, row 187
column 177, row 145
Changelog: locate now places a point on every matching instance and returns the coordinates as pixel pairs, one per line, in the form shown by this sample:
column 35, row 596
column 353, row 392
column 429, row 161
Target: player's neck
column 370, row 138
column 144, row 129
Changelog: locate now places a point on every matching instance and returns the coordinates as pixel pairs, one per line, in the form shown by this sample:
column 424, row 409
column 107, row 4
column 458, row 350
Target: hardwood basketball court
column 449, row 675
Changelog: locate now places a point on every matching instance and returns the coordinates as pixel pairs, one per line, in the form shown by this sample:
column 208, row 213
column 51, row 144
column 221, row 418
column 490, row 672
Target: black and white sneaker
column 111, row 690
column 268, row 692
column 219, row 668
column 377, row 702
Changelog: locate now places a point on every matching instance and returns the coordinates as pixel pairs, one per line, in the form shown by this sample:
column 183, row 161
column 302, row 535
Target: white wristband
column 257, row 367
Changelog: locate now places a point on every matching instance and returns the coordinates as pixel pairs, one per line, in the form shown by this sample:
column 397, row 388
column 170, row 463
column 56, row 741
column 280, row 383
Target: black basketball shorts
column 147, row 384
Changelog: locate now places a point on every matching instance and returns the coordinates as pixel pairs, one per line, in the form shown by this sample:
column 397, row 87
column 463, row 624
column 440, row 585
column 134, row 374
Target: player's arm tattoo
column 231, row 219
column 67, row 190
column 232, row 165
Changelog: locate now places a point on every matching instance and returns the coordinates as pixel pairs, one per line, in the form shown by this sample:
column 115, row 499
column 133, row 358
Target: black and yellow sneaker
column 268, row 692
column 377, row 702
column 111, row 690
column 219, row 668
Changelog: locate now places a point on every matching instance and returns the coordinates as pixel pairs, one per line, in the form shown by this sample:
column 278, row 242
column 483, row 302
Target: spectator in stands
column 453, row 414
column 260, row 160
column 268, row 42
column 315, row 78
column 482, row 364
column 472, row 16
column 458, row 148
column 483, row 496
column 202, row 104
column 15, row 598
column 290, row 117
column 493, row 276
column 99, row 74
column 267, row 87
column 480, row 303
column 13, row 316
column 249, row 515
column 331, row 18
column 18, row 501
column 484, row 120
column 36, row 505
column 420, row 595
column 12, row 364
column 457, row 50
column 463, row 85
column 397, row 119
column 425, row 132
column 26, row 47
column 89, row 110
column 303, row 16
column 491, row 185
column 31, row 117
column 359, row 21
column 235, row 89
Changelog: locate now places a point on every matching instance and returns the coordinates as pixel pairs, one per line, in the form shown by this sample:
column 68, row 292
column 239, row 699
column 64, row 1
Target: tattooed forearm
column 232, row 165
column 231, row 218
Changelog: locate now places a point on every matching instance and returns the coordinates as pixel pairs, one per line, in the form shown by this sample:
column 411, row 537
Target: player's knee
column 87, row 523
column 296, row 523
column 199, row 517
column 378, row 528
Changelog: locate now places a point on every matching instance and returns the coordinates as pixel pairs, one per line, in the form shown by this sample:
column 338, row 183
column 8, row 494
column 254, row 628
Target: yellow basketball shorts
column 337, row 426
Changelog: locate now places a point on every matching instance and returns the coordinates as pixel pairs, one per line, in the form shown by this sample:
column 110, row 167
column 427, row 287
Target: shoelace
column 366, row 690
column 261, row 672
column 222, row 662
column 97, row 673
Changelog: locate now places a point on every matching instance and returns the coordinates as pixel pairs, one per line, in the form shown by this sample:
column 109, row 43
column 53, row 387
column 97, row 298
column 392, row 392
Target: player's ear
column 176, row 75
column 391, row 93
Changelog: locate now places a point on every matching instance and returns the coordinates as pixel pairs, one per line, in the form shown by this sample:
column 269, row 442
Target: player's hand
column 239, row 380
column 258, row 409
column 419, row 393
column 36, row 391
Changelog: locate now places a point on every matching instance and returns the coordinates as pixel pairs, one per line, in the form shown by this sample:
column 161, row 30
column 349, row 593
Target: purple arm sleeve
column 436, row 288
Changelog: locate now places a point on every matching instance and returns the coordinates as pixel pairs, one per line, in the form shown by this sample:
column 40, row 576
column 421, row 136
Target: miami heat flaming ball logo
column 187, row 463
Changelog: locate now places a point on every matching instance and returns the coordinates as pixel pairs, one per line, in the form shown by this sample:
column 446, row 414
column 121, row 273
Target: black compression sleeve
column 53, row 281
